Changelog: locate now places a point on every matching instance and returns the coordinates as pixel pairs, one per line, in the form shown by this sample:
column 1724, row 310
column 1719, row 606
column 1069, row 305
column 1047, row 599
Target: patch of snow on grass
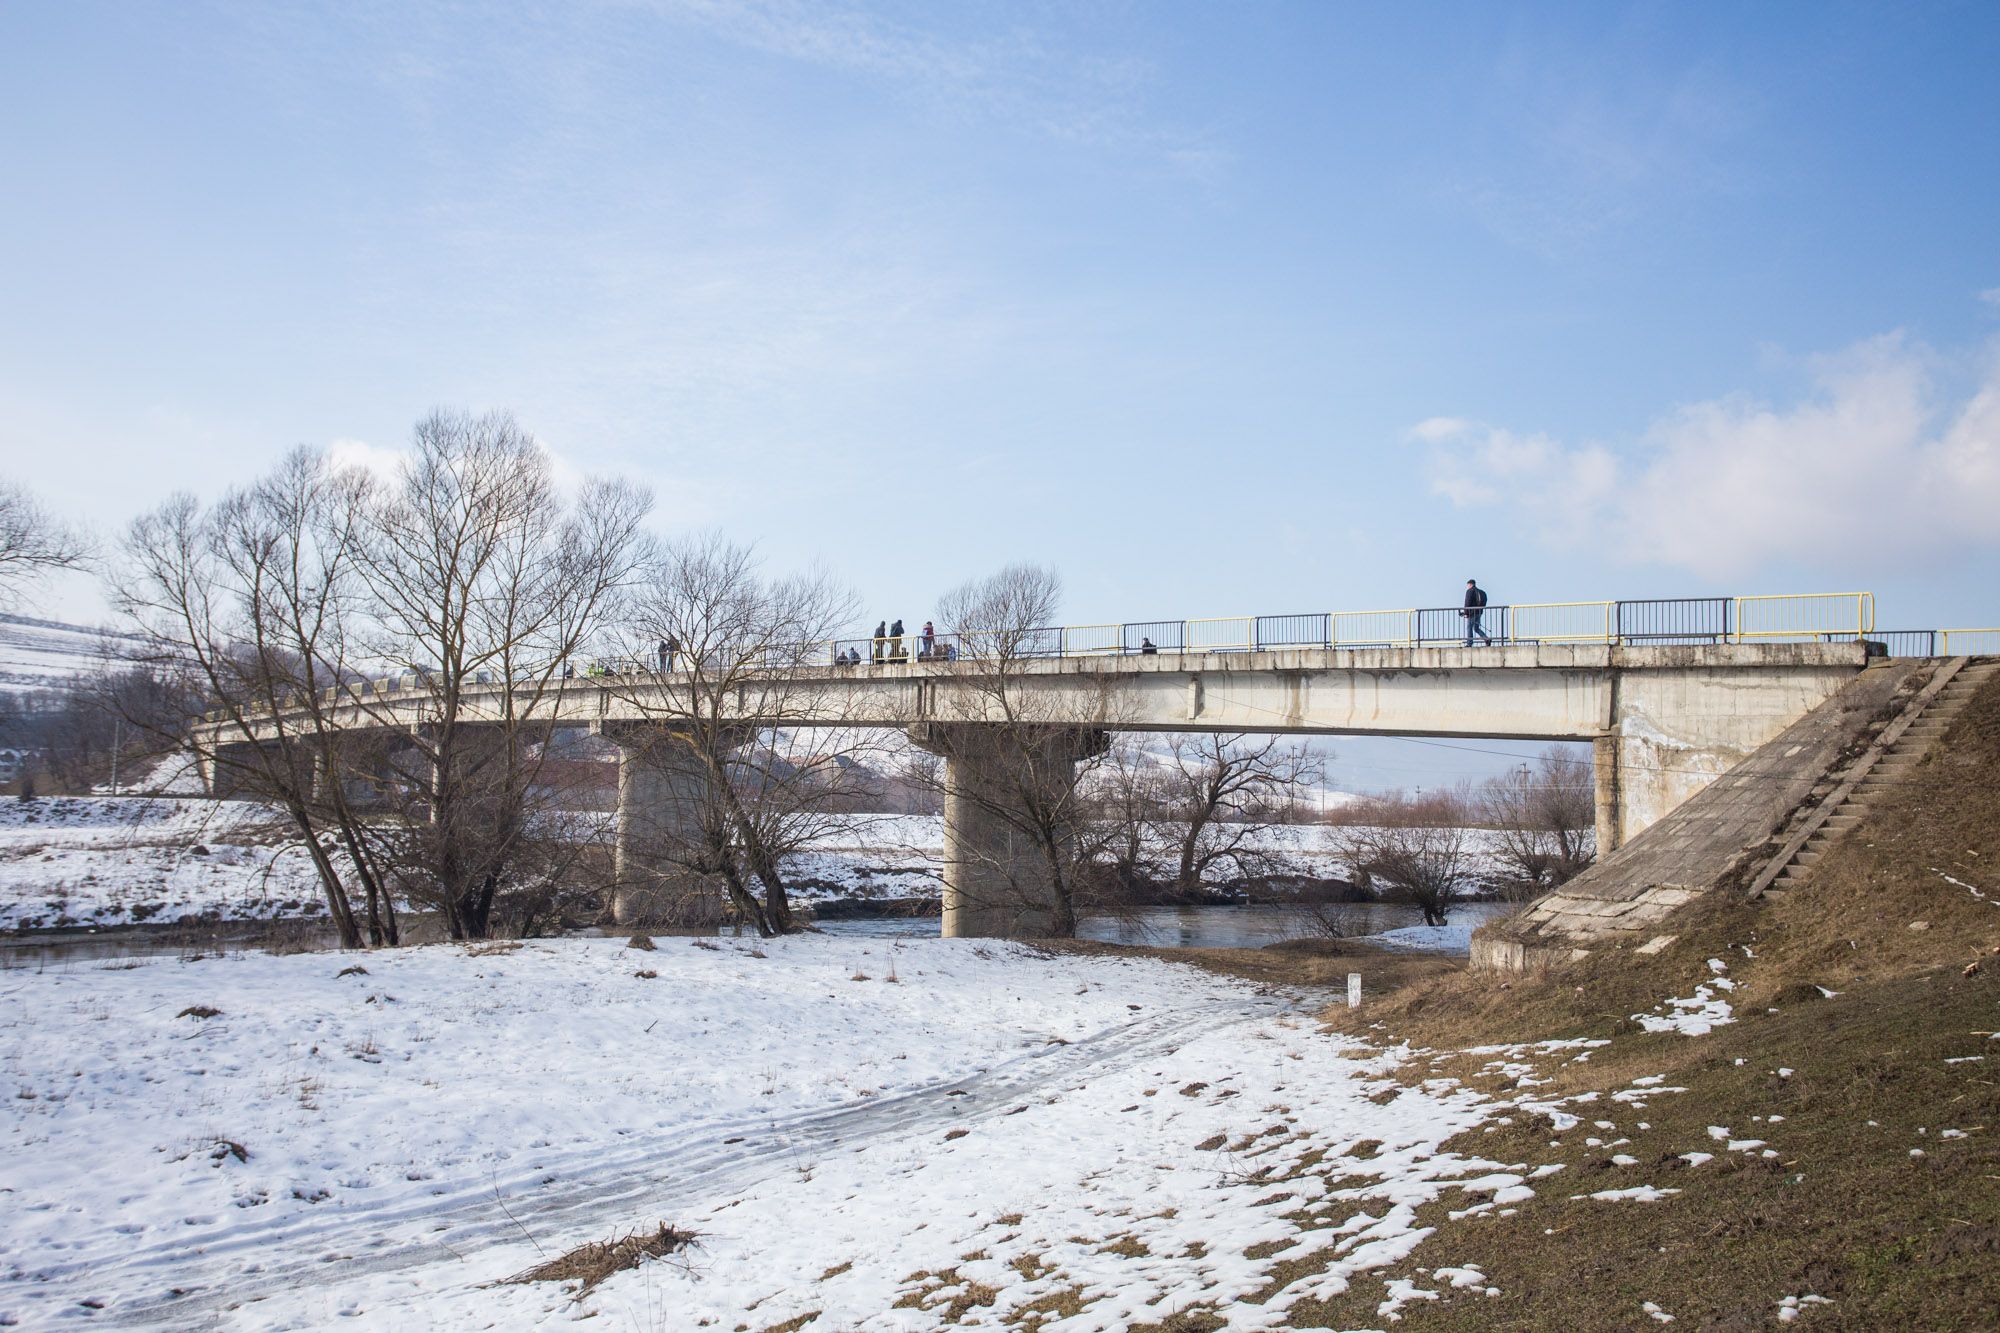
column 1636, row 1194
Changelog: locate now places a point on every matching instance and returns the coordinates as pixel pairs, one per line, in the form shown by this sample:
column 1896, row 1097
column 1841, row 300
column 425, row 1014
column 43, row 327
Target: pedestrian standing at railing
column 896, row 642
column 930, row 642
column 1475, row 609
column 881, row 638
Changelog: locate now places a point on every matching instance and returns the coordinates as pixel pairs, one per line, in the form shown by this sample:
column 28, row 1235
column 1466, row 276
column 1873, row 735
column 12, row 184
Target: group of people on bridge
column 886, row 645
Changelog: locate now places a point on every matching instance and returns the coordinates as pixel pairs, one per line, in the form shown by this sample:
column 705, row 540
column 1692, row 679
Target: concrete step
column 1805, row 857
column 1840, row 823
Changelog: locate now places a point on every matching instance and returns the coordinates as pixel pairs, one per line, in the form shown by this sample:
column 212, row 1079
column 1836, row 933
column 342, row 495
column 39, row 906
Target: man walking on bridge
column 1475, row 608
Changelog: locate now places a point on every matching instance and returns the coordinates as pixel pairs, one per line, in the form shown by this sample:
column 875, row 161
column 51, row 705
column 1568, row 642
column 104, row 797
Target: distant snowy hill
column 41, row 654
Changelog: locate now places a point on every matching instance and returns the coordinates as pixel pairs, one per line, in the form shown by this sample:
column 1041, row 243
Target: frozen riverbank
column 385, row 1143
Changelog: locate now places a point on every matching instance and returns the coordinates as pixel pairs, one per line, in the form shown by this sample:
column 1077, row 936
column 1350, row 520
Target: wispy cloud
column 1576, row 144
column 1012, row 71
column 1875, row 453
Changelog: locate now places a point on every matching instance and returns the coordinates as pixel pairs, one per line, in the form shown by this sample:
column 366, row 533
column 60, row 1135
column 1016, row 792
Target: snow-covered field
column 103, row 860
column 42, row 654
column 859, row 1129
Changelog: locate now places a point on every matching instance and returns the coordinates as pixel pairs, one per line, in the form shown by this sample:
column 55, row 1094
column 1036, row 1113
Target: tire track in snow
column 610, row 1189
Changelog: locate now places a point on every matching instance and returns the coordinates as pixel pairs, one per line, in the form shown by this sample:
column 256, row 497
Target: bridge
column 1670, row 694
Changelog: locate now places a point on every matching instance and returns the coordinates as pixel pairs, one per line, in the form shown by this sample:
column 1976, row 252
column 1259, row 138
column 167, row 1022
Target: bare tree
column 1126, row 796
column 1222, row 794
column 483, row 581
column 33, row 542
column 249, row 604
column 744, row 721
column 1543, row 820
column 1019, row 741
column 1424, row 856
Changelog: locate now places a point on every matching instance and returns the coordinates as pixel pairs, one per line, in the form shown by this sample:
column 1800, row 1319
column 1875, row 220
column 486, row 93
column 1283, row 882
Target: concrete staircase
column 1886, row 763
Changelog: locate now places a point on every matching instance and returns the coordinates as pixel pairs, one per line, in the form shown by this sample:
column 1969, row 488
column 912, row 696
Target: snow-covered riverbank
column 866, row 1130
column 111, row 861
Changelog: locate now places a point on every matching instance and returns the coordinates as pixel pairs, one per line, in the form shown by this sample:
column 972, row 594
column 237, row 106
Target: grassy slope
column 1844, row 1211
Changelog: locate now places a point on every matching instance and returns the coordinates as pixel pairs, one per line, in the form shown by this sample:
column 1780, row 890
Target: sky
column 1216, row 309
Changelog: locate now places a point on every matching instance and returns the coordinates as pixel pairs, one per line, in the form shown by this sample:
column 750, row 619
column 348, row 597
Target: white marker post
column 1353, row 990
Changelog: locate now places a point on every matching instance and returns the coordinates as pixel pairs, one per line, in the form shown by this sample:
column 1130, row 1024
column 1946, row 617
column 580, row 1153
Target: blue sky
column 1216, row 308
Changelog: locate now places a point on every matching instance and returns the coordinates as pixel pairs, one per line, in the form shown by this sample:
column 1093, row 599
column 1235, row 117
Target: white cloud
column 1991, row 296
column 1874, row 454
column 386, row 464
column 383, row 464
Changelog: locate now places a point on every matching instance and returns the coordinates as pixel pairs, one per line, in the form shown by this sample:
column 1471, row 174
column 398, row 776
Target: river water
column 1158, row 927
column 1250, row 927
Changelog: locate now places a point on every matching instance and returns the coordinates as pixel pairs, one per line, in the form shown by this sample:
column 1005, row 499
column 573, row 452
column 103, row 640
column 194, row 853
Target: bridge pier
column 1007, row 789
column 1610, row 798
column 662, row 790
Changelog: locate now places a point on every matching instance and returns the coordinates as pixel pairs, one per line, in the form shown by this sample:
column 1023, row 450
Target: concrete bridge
column 1663, row 720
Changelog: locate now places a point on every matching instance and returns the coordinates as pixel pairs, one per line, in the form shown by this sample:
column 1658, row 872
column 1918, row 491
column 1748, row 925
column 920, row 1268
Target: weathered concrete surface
column 1708, row 842
column 1005, row 793
column 1679, row 715
column 662, row 793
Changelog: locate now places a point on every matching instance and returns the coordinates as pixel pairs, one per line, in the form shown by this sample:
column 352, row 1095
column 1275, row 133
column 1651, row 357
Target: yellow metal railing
column 1089, row 640
column 1804, row 615
column 1358, row 628
column 1563, row 622
column 1968, row 642
column 1220, row 634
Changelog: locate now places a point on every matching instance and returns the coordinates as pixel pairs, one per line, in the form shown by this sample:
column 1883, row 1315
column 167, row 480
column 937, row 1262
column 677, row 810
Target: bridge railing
column 1806, row 617
column 1939, row 642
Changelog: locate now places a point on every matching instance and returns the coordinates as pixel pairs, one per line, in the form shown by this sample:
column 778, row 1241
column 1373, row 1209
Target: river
column 1218, row 927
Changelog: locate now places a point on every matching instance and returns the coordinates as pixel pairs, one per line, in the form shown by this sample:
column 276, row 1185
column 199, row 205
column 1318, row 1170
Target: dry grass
column 593, row 1263
column 1866, row 1204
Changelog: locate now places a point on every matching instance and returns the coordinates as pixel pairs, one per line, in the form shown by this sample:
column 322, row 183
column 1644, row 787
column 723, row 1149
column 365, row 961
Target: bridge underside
column 1663, row 721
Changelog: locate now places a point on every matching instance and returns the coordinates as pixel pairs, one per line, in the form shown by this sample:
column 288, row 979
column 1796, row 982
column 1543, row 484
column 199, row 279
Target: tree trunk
column 337, row 906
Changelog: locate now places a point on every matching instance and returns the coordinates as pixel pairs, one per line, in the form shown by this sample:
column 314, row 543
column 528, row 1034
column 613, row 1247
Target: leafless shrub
column 1425, row 861
column 1543, row 820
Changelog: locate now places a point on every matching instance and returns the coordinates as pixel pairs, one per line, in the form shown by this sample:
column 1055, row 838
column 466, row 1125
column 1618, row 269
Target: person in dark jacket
column 881, row 638
column 896, row 642
column 1475, row 609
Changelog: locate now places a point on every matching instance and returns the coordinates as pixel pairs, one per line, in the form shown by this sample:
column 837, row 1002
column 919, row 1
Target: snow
column 1123, row 1128
column 105, row 860
column 1448, row 938
column 1791, row 1307
column 38, row 655
column 1636, row 1194
column 1698, row 1014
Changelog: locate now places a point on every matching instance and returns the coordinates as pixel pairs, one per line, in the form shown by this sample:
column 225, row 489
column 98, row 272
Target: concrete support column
column 662, row 797
column 225, row 774
column 1610, row 794
column 1001, row 785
